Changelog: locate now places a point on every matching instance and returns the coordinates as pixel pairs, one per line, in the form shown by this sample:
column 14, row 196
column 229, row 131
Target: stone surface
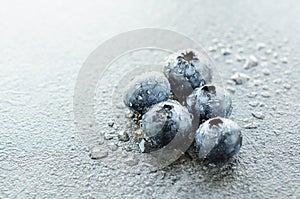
column 43, row 45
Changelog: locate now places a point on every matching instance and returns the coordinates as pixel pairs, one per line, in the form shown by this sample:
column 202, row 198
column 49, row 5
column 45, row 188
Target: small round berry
column 145, row 90
column 186, row 71
column 218, row 139
column 164, row 120
column 209, row 101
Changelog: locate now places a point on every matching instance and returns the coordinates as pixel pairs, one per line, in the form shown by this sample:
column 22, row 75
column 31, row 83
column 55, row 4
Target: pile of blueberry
column 168, row 102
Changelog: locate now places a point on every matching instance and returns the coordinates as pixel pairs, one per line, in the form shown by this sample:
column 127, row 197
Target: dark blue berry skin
column 164, row 120
column 186, row 71
column 218, row 139
column 209, row 101
column 145, row 90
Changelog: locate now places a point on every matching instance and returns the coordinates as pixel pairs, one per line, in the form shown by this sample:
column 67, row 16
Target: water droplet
column 98, row 153
column 140, row 98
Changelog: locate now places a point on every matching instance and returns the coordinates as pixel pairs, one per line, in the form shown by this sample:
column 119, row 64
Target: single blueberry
column 218, row 139
column 186, row 71
column 145, row 90
column 209, row 101
column 164, row 120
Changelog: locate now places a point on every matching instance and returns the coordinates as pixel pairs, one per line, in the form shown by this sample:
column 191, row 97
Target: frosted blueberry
column 218, row 139
column 186, row 71
column 145, row 90
column 209, row 101
column 164, row 120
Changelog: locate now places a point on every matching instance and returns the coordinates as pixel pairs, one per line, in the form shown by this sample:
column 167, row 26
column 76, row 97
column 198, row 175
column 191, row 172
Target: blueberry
column 145, row 90
column 164, row 120
column 218, row 139
column 209, row 101
column 186, row 71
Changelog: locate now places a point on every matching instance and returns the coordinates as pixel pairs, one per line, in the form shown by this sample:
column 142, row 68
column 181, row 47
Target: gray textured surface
column 42, row 49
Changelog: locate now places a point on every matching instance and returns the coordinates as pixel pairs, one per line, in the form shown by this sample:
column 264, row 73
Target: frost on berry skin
column 186, row 71
column 209, row 101
column 164, row 120
column 218, row 139
column 145, row 90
